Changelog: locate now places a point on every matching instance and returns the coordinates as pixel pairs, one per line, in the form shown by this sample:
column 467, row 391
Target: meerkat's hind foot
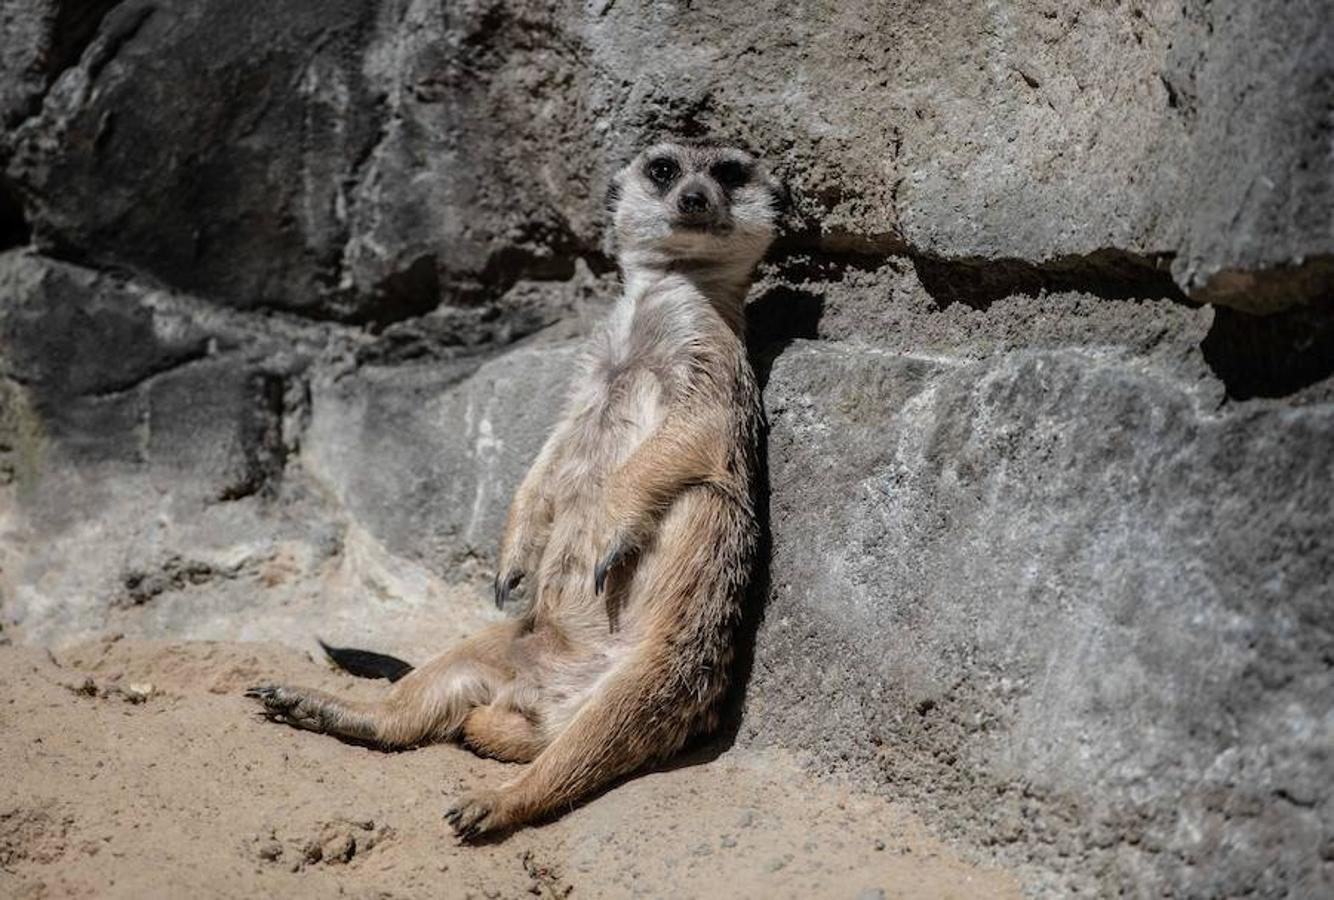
column 281, row 704
column 366, row 663
column 268, row 695
column 477, row 816
column 314, row 711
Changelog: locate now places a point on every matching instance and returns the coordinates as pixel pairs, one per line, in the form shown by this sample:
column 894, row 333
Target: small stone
column 271, row 851
column 879, row 844
column 746, row 819
column 728, row 840
column 139, row 691
column 339, row 849
column 775, row 864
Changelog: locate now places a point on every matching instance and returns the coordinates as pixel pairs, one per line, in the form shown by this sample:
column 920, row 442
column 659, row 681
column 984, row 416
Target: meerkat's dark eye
column 730, row 173
column 663, row 170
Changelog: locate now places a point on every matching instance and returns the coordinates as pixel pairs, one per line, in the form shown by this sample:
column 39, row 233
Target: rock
column 57, row 322
column 427, row 456
column 355, row 219
column 272, row 203
column 41, row 38
column 172, row 399
column 1042, row 516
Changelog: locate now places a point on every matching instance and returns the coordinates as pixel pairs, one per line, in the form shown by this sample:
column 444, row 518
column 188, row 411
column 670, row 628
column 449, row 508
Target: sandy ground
column 134, row 768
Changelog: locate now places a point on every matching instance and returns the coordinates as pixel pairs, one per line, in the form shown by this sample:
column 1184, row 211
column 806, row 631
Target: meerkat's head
column 695, row 201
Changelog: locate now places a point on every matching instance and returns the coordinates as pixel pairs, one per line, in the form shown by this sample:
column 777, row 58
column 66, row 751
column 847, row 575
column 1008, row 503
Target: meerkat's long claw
column 600, row 575
column 504, row 584
column 609, row 562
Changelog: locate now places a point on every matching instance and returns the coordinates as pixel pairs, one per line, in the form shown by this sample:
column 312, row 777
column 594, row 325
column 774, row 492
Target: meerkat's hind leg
column 502, row 733
column 428, row 704
column 625, row 725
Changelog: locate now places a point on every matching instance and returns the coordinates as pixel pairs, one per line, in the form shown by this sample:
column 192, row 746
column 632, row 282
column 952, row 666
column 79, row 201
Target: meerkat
column 634, row 531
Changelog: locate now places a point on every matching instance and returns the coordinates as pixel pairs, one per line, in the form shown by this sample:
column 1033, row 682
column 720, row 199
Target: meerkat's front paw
column 520, row 557
column 478, row 814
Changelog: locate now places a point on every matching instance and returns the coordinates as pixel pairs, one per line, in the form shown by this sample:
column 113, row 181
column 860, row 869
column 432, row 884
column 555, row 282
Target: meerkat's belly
column 615, row 415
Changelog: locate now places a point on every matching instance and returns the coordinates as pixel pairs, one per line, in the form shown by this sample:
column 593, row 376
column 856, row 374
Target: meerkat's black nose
column 693, row 202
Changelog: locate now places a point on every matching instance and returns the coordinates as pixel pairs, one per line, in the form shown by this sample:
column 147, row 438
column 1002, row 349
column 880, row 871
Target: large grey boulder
column 1070, row 604
column 428, row 457
column 151, row 443
column 312, row 161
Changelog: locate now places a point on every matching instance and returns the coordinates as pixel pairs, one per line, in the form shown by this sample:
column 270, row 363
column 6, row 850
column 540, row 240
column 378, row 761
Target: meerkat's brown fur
column 634, row 531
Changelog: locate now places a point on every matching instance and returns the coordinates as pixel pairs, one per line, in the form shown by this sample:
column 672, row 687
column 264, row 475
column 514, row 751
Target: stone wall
column 1047, row 351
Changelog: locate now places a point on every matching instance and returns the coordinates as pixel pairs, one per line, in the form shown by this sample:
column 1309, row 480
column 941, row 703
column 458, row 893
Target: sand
column 135, row 768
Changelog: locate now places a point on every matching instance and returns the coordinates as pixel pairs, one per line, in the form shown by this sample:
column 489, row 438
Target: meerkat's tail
column 365, row 663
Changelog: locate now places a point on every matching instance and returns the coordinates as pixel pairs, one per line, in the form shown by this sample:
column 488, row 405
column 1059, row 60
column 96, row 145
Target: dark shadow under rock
column 775, row 319
column 14, row 228
column 1109, row 273
column 1271, row 356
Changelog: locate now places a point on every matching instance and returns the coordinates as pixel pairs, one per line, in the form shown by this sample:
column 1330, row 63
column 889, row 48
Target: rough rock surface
column 289, row 296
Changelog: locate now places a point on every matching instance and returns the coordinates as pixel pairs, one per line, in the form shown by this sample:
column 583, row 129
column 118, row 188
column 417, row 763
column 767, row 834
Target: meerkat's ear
column 609, row 202
column 781, row 197
column 613, row 194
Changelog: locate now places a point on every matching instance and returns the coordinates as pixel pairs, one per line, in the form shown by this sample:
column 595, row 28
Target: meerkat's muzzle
column 693, row 203
column 698, row 208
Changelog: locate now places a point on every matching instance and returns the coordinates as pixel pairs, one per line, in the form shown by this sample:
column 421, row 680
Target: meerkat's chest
column 624, row 400
column 632, row 378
